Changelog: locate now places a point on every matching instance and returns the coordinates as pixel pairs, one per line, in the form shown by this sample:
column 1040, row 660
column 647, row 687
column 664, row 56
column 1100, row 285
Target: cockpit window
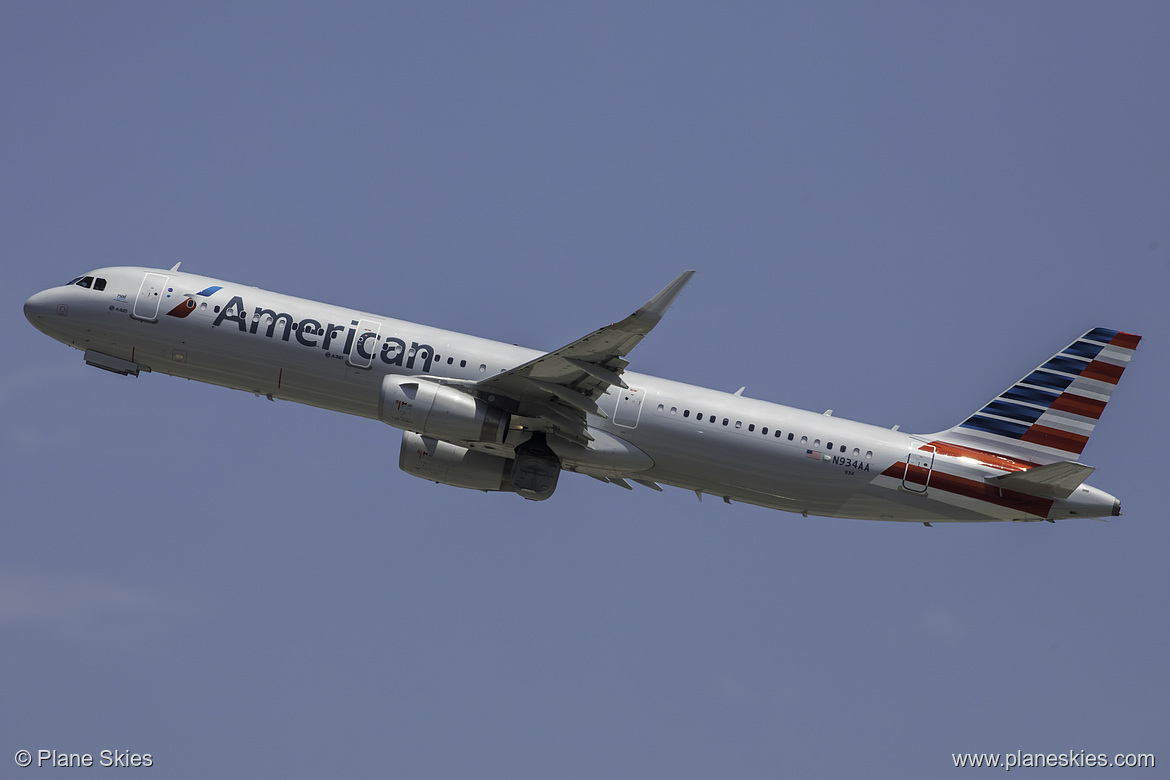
column 89, row 282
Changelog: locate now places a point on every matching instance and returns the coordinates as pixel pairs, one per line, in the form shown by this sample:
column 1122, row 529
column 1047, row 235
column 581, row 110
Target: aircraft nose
column 39, row 307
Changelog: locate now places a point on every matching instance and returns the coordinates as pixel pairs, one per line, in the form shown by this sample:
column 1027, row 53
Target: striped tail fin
column 1049, row 415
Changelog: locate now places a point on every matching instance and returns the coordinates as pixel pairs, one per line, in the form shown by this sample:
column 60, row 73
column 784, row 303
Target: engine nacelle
column 440, row 461
column 532, row 474
column 441, row 412
column 536, row 469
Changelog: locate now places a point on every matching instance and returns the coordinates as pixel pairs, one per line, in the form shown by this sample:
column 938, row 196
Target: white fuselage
column 716, row 443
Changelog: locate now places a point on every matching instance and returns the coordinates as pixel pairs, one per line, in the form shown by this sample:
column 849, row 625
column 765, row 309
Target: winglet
column 656, row 307
column 564, row 385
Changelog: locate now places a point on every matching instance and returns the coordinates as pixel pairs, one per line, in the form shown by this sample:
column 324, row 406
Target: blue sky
column 895, row 212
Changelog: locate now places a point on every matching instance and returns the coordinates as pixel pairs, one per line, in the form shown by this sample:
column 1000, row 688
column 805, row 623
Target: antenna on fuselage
column 176, row 266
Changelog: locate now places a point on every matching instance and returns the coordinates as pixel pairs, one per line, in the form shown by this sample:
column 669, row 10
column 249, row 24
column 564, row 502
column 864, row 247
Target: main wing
column 555, row 391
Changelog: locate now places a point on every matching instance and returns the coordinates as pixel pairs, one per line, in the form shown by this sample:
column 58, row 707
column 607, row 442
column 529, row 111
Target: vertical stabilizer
column 1049, row 415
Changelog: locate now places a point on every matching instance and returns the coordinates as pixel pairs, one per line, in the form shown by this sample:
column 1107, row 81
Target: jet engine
column 441, row 412
column 532, row 474
column 440, row 461
column 536, row 469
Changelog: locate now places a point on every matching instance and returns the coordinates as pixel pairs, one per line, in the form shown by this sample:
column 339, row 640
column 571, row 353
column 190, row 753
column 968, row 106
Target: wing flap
column 569, row 396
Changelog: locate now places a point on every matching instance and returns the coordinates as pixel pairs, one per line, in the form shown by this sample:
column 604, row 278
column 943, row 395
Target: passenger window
column 751, row 427
column 450, row 360
column 99, row 284
column 686, row 412
column 789, row 435
column 829, row 446
column 463, row 364
column 482, row 367
column 662, row 407
column 868, row 454
column 699, row 416
column 738, row 424
column 842, row 448
column 674, row 410
column 725, row 421
column 764, row 430
column 817, row 443
column 803, row 439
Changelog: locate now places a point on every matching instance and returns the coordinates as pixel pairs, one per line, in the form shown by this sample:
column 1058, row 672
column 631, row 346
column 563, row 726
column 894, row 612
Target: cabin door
column 150, row 295
column 365, row 344
column 919, row 467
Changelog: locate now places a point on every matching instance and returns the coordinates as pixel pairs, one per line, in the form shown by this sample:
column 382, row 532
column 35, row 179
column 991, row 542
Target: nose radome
column 36, row 306
column 40, row 307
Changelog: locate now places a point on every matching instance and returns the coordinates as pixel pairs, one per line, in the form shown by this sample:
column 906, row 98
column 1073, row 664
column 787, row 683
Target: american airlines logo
column 183, row 309
column 310, row 333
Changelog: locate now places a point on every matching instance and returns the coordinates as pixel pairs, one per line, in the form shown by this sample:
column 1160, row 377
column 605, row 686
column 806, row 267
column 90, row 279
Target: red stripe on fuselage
column 1001, row 462
column 970, row 488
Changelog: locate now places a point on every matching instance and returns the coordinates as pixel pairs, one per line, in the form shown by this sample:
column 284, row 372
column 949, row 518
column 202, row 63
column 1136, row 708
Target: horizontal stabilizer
column 1056, row 480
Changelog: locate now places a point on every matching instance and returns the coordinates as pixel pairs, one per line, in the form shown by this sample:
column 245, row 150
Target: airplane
column 491, row 416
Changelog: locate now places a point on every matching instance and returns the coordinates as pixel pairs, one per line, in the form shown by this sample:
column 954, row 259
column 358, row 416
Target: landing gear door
column 919, row 467
column 150, row 295
column 365, row 344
